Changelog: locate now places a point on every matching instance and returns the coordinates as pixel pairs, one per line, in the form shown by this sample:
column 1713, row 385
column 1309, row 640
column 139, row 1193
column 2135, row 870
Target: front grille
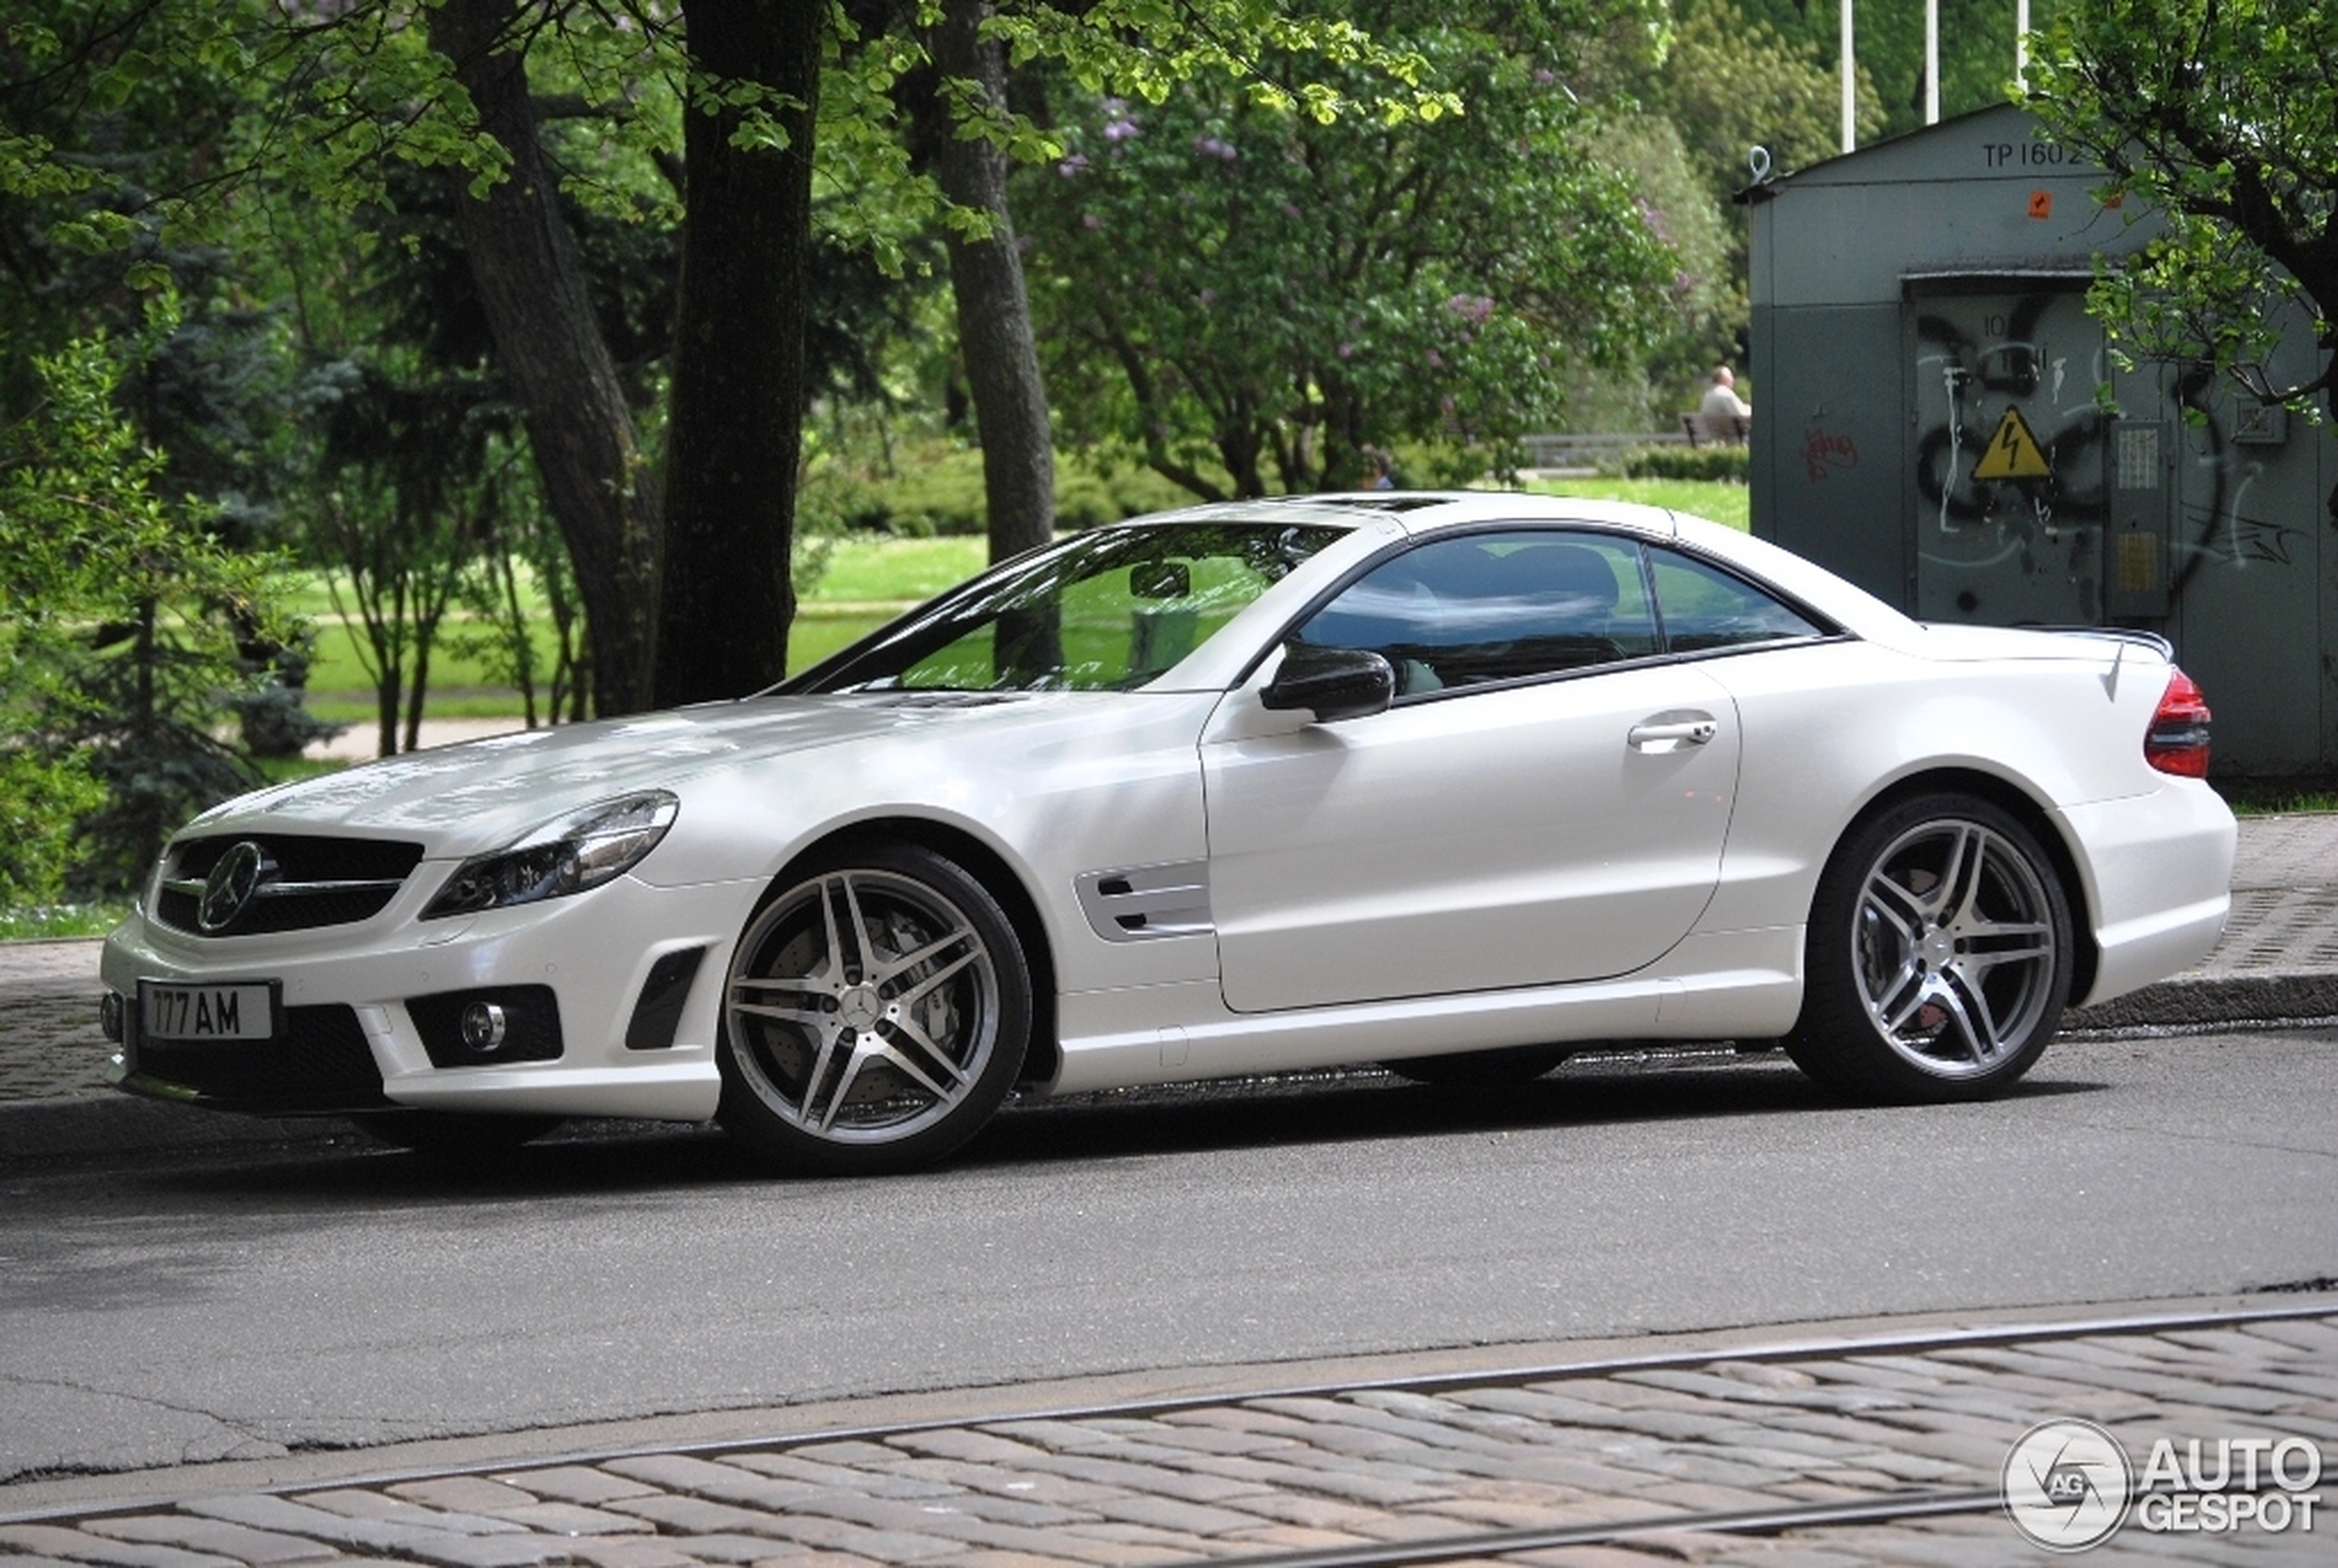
column 311, row 881
column 322, row 1065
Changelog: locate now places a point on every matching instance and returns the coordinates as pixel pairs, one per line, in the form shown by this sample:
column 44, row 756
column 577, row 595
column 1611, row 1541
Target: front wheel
column 874, row 1016
column 1938, row 961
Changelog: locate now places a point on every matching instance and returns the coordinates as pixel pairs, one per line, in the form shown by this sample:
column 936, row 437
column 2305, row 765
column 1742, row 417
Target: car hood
column 461, row 800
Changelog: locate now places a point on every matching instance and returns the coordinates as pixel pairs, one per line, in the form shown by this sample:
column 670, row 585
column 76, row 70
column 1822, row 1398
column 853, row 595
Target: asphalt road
column 160, row 1315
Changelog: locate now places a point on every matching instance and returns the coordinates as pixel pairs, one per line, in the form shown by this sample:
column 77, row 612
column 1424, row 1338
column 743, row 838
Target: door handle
column 1673, row 732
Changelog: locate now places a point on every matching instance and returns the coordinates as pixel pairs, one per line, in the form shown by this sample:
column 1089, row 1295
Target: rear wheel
column 1939, row 955
column 874, row 1016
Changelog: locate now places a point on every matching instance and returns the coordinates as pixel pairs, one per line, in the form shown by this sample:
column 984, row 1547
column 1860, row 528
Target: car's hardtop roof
column 1427, row 510
column 1421, row 512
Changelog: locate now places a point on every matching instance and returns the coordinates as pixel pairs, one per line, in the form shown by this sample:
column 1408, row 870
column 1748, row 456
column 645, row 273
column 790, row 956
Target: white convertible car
column 1455, row 783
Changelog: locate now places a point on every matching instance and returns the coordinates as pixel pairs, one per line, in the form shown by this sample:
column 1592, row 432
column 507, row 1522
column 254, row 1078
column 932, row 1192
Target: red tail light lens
column 2178, row 739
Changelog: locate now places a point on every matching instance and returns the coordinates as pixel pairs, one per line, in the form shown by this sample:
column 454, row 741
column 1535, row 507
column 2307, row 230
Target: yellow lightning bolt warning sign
column 2013, row 453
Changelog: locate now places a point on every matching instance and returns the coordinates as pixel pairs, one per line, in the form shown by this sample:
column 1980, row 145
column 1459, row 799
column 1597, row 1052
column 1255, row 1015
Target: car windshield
column 1103, row 611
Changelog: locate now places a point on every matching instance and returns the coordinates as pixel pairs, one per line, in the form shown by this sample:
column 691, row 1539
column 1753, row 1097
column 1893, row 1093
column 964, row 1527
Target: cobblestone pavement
column 1644, row 1459
column 2285, row 899
column 50, row 1044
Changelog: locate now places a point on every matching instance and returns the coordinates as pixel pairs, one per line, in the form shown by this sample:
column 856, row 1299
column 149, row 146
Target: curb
column 2227, row 1001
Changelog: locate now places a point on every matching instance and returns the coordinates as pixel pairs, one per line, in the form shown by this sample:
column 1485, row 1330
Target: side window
column 1494, row 607
column 1705, row 609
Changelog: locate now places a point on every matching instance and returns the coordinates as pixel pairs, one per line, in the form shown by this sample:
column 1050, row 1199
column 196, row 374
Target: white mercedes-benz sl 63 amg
column 1456, row 783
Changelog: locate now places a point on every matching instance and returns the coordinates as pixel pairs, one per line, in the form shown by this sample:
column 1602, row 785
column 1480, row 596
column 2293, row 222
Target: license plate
column 237, row 1011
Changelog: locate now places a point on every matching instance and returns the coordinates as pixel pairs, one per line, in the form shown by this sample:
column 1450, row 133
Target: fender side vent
column 659, row 1012
column 1147, row 901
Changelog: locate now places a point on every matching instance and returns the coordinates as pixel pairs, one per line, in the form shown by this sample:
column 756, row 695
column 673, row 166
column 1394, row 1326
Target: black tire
column 1503, row 1068
column 1939, row 955
column 876, row 1013
column 453, row 1134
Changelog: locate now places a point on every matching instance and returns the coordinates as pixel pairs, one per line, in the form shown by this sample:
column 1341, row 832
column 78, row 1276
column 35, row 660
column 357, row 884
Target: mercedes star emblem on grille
column 231, row 884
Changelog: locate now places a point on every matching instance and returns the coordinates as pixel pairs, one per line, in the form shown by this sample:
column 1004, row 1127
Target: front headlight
column 568, row 855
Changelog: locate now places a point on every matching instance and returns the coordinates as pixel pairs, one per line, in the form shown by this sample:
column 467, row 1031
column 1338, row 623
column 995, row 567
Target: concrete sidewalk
column 2278, row 961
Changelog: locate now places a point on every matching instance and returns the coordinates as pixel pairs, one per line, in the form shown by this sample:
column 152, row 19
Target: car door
column 1545, row 800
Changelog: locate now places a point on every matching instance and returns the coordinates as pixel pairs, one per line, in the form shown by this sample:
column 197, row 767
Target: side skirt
column 1729, row 984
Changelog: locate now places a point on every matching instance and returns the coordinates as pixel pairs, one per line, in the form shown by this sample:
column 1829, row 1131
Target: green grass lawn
column 1728, row 504
column 867, row 568
column 55, row 922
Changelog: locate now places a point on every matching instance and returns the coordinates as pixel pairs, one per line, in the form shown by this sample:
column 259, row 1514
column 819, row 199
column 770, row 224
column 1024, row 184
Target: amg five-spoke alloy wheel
column 1938, row 958
column 874, row 1016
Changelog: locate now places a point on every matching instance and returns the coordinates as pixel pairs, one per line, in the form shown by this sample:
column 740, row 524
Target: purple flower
column 1090, row 221
column 1211, row 146
column 1436, row 359
column 1119, row 129
column 1471, row 307
column 1290, row 209
column 1346, row 351
column 1075, row 164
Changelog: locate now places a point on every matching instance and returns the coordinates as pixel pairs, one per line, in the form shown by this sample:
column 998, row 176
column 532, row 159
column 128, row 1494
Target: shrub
column 934, row 491
column 120, row 616
column 1728, row 464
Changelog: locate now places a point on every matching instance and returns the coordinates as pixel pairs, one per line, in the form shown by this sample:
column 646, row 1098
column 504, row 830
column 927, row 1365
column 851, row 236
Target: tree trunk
column 546, row 335
column 737, row 400
column 986, row 280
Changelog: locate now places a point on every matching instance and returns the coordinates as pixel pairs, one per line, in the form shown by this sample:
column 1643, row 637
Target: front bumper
column 632, row 1019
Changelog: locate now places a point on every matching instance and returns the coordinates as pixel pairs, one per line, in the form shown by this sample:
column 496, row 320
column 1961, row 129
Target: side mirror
column 1331, row 683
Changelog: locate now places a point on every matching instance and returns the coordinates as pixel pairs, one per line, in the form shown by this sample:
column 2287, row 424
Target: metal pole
column 1850, row 85
column 1932, row 62
column 2022, row 43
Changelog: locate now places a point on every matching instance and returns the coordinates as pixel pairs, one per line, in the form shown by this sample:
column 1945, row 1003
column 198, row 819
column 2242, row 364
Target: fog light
column 483, row 1027
column 110, row 1016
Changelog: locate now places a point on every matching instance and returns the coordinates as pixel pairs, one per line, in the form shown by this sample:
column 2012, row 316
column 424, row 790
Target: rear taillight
column 2178, row 739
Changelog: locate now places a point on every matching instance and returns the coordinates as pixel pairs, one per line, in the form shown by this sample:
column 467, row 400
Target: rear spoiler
column 2151, row 640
